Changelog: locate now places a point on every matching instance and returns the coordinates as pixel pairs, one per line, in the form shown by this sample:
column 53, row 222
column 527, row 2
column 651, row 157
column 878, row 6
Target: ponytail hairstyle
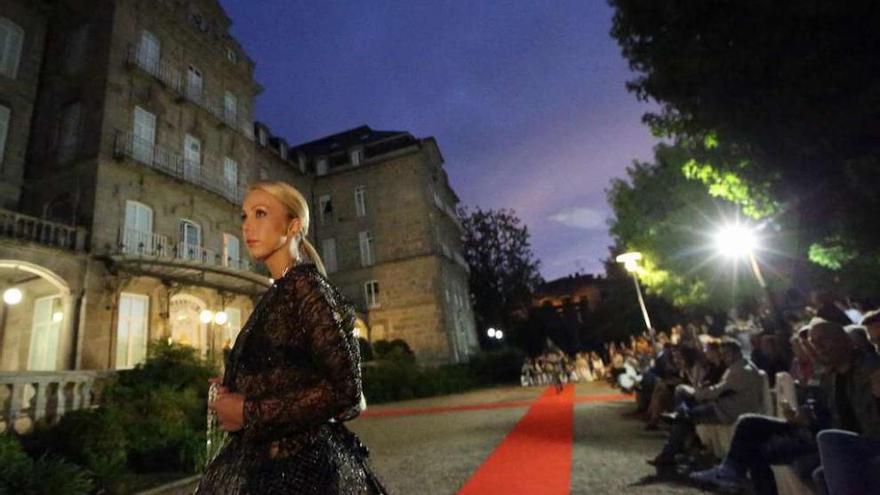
column 297, row 207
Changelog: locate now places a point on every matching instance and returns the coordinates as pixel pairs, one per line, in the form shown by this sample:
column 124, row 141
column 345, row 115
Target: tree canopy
column 672, row 220
column 778, row 104
column 504, row 271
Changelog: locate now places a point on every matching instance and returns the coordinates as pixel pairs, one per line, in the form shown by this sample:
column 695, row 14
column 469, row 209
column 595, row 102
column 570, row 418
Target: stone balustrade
column 28, row 397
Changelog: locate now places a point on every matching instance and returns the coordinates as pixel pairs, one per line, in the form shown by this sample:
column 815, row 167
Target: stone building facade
column 142, row 143
column 386, row 227
column 127, row 151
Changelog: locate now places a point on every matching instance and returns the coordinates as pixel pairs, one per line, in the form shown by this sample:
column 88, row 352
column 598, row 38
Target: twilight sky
column 526, row 98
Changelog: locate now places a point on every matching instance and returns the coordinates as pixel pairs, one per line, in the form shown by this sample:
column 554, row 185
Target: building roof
column 346, row 140
column 568, row 284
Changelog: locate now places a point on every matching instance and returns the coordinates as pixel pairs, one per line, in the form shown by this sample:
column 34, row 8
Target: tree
column 504, row 271
column 779, row 104
column 670, row 219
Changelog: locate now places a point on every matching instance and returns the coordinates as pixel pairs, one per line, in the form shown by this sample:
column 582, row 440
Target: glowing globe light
column 735, row 241
column 12, row 296
column 206, row 316
column 630, row 260
column 491, row 333
column 57, row 316
column 499, row 334
column 221, row 318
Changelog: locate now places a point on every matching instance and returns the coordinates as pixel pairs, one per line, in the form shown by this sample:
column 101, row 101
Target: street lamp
column 631, row 263
column 491, row 333
column 740, row 241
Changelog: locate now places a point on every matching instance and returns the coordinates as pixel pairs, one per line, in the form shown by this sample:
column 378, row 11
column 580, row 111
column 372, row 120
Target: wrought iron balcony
column 175, row 81
column 138, row 242
column 207, row 174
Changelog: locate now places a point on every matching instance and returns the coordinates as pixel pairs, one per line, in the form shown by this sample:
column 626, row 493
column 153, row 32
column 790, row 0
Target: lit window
column 131, row 330
column 11, row 39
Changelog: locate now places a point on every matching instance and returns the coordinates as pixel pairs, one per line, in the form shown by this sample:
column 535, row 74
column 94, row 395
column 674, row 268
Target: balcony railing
column 206, row 175
column 27, row 228
column 174, row 80
column 137, row 242
column 30, row 396
column 445, row 208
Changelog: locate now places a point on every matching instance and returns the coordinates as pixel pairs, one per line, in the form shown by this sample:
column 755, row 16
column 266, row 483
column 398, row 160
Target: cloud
column 580, row 218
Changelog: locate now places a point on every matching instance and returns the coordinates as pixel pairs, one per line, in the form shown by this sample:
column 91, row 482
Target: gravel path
column 435, row 454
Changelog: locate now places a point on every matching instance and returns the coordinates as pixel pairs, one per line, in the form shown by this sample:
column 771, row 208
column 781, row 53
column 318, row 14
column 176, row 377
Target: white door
column 232, row 251
column 366, row 244
column 191, row 240
column 45, row 334
column 230, row 175
column 192, row 157
column 137, row 238
column 144, row 137
column 149, row 51
column 131, row 330
column 194, row 84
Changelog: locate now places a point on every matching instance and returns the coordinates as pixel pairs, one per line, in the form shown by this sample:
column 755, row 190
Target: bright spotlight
column 206, row 316
column 735, row 241
column 57, row 317
column 221, row 318
column 491, row 333
column 12, row 296
column 499, row 334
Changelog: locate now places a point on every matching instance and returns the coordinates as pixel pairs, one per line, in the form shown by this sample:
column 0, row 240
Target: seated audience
column 848, row 400
column 740, row 391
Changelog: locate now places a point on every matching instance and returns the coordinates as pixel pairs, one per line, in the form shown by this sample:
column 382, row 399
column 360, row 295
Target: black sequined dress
column 296, row 361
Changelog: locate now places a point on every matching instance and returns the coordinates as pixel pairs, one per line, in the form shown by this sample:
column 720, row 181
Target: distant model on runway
column 293, row 377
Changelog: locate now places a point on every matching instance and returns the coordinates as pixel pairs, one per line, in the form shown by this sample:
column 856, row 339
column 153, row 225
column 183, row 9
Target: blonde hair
column 297, row 207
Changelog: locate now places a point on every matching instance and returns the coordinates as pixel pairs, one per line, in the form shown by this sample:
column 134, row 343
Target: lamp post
column 631, row 263
column 740, row 241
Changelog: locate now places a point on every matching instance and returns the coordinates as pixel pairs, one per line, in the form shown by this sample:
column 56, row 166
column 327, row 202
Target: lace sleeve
column 328, row 326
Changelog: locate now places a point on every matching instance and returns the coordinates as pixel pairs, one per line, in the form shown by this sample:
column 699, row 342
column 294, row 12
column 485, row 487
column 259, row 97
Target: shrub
column 91, row 438
column 162, row 406
column 366, row 349
column 395, row 350
column 19, row 474
column 497, row 366
column 395, row 375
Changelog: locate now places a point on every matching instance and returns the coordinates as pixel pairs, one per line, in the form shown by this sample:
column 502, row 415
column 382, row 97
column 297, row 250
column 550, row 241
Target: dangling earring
column 294, row 249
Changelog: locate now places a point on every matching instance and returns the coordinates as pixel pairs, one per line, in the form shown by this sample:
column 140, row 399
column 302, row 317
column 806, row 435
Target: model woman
column 292, row 377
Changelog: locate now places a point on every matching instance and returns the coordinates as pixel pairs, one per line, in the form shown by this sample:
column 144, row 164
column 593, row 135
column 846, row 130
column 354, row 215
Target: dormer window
column 262, row 136
column 282, row 149
column 302, row 163
column 231, row 55
column 357, row 157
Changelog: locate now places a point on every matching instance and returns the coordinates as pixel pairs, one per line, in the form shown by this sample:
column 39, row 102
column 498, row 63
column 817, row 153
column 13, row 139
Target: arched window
column 11, row 40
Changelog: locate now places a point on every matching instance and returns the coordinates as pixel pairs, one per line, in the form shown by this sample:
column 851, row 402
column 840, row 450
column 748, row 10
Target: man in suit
column 740, row 391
